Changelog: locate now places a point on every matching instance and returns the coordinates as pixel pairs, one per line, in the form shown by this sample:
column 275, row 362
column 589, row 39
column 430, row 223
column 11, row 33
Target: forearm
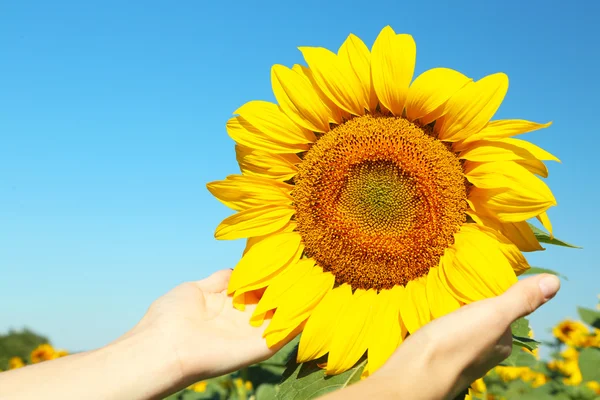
column 131, row 368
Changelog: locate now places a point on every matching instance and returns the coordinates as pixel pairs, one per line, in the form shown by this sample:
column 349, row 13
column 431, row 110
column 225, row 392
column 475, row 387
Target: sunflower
column 373, row 203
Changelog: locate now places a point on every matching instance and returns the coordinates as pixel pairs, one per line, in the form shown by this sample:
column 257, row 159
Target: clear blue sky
column 112, row 120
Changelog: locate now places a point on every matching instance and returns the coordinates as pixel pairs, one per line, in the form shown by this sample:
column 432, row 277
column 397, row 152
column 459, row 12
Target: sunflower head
column 373, row 202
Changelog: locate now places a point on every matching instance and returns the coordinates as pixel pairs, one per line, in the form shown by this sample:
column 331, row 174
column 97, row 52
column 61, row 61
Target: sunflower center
column 378, row 200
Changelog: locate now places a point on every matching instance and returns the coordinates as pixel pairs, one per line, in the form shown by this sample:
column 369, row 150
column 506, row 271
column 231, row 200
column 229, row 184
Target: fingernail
column 549, row 285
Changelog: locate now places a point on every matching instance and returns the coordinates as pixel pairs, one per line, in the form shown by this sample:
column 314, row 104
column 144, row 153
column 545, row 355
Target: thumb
column 527, row 295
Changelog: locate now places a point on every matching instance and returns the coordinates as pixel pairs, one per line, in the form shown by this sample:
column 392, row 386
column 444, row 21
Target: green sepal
column 544, row 237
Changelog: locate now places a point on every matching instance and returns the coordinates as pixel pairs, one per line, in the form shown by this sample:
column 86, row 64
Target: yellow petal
column 471, row 108
column 355, row 53
column 351, row 333
column 270, row 119
column 393, row 60
column 242, row 192
column 514, row 256
column 336, row 115
column 266, row 165
column 278, row 288
column 387, row 330
column 478, row 269
column 504, row 150
column 243, row 297
column 545, row 220
column 318, row 332
column 289, row 227
column 297, row 304
column 299, row 100
column 257, row 221
column 336, row 79
column 507, row 191
column 441, row 301
column 519, row 233
column 265, row 259
column 534, row 166
column 414, row 308
column 505, row 128
column 430, row 91
column 244, row 133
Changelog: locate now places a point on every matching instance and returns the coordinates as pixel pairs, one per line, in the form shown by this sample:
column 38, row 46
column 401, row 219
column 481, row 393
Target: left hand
column 198, row 323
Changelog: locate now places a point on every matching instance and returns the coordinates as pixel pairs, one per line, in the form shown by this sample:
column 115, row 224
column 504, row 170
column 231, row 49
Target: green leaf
column 589, row 364
column 266, row 392
column 271, row 370
column 520, row 327
column 538, row 270
column 520, row 331
column 308, row 381
column 528, row 343
column 590, row 317
column 520, row 358
column 543, row 237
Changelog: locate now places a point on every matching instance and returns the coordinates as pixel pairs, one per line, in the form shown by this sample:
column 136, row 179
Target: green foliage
column 519, row 358
column 589, row 364
column 520, row 332
column 18, row 344
column 590, row 317
column 538, row 270
column 308, row 381
column 543, row 237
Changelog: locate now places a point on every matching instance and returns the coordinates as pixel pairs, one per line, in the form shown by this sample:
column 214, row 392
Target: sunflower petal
column 266, row 165
column 535, row 167
column 299, row 100
column 270, row 119
column 351, row 333
column 430, row 91
column 478, row 268
column 336, row 79
column 387, row 330
column 297, row 304
column 545, row 220
column 265, row 259
column 355, row 53
column 336, row 114
column 519, row 233
column 251, row 241
column 504, row 150
column 507, row 191
column 414, row 308
column 278, row 288
column 257, row 221
column 441, row 301
column 318, row 332
column 244, row 133
column 393, row 60
column 512, row 253
column 242, row 192
column 471, row 108
column 504, row 128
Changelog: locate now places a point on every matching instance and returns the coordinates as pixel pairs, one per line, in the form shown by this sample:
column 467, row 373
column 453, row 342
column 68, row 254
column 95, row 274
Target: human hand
column 459, row 348
column 198, row 324
column 448, row 354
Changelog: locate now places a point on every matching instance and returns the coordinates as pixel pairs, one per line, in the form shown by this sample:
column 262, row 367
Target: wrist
column 148, row 366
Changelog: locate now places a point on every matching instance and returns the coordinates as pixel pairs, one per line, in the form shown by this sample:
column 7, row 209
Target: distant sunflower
column 372, row 204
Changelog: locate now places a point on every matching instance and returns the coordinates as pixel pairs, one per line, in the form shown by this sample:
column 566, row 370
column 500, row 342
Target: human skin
column 193, row 333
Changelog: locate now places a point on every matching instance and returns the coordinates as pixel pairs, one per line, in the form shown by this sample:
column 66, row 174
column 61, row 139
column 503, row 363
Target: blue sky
column 112, row 120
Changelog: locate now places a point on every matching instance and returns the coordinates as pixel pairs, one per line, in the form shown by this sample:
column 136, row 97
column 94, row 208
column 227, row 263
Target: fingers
column 215, row 283
column 526, row 296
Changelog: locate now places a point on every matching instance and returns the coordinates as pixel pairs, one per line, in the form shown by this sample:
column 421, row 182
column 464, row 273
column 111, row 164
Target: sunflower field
column 570, row 371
